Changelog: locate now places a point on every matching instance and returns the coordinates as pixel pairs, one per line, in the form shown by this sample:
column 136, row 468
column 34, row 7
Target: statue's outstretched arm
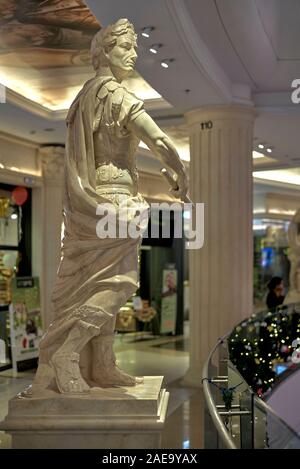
column 161, row 145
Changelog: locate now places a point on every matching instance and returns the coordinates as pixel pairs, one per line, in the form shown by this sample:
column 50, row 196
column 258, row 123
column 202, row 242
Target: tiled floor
column 184, row 423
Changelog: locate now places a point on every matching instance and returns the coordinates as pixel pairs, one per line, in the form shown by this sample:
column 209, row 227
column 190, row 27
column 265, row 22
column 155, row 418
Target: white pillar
column 52, row 161
column 221, row 141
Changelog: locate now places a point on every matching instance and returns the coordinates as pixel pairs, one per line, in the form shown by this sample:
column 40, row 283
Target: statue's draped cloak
column 90, row 267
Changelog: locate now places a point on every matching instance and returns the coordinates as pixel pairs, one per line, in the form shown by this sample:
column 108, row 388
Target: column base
column 116, row 418
column 193, row 378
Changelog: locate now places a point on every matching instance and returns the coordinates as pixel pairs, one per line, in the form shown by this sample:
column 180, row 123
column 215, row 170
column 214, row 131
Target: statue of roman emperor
column 97, row 276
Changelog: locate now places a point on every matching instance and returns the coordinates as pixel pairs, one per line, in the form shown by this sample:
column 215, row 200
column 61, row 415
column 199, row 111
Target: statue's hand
column 181, row 181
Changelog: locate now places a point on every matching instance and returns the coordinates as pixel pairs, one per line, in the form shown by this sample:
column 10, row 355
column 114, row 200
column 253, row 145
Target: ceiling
column 255, row 41
column 45, row 52
column 224, row 51
column 44, row 48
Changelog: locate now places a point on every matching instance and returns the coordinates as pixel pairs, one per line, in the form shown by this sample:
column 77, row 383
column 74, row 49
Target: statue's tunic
column 96, row 275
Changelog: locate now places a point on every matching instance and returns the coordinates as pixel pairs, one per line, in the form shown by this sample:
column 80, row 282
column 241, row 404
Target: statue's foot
column 67, row 373
column 115, row 377
column 105, row 372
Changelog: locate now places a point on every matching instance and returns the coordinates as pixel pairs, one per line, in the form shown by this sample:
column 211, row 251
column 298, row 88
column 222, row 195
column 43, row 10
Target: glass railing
column 240, row 372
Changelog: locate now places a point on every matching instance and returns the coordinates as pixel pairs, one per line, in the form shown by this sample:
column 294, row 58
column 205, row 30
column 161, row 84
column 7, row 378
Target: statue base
column 116, row 418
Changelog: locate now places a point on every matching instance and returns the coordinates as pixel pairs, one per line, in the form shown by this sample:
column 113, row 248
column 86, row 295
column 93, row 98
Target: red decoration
column 19, row 195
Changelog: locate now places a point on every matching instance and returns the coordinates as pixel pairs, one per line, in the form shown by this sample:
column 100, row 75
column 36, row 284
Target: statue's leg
column 105, row 371
column 65, row 361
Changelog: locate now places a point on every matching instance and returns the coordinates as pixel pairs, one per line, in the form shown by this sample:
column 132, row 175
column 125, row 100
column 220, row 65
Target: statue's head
column 115, row 46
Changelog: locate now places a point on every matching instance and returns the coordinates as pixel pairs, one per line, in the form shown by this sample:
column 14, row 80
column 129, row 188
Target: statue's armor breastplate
column 115, row 157
column 114, row 145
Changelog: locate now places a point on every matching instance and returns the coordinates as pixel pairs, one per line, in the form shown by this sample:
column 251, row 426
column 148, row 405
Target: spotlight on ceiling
column 166, row 63
column 147, row 31
column 269, row 150
column 154, row 48
column 261, row 145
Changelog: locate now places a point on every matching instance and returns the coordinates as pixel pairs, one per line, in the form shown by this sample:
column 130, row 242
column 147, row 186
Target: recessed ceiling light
column 147, row 31
column 166, row 62
column 269, row 150
column 154, row 48
column 261, row 145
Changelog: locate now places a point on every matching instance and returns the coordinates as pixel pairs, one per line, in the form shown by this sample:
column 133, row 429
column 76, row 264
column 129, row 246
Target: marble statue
column 293, row 295
column 97, row 276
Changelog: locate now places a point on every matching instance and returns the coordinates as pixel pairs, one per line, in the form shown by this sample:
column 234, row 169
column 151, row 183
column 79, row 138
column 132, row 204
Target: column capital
column 52, row 162
column 223, row 112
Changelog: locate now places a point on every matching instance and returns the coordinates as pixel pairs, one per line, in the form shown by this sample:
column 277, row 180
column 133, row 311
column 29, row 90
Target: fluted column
column 221, row 272
column 52, row 162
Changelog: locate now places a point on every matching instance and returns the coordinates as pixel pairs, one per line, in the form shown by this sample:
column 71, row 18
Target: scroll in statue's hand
column 178, row 183
column 179, row 190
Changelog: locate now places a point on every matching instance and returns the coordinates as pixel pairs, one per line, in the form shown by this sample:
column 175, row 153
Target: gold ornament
column 4, row 205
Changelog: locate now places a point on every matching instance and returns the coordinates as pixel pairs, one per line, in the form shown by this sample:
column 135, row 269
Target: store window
column 15, row 253
column 157, row 308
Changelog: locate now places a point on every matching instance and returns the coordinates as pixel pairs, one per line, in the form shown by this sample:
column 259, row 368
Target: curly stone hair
column 106, row 39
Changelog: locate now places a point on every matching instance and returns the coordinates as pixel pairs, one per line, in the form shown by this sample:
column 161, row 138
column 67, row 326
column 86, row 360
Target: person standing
column 275, row 296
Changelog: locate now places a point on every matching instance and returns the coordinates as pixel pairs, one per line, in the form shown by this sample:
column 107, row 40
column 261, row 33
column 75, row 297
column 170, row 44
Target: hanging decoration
column 19, row 195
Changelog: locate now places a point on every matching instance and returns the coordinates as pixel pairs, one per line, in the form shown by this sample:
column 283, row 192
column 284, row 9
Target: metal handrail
column 211, row 406
column 216, row 415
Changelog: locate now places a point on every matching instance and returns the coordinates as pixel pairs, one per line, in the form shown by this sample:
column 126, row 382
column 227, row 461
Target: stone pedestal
column 122, row 418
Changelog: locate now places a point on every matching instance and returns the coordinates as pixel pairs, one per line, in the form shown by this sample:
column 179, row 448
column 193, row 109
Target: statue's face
column 123, row 55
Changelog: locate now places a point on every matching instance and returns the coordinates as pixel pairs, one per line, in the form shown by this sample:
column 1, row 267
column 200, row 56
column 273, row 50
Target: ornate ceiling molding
column 35, row 108
column 198, row 51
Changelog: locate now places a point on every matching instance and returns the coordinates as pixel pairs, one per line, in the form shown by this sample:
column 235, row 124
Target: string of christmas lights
column 257, row 346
